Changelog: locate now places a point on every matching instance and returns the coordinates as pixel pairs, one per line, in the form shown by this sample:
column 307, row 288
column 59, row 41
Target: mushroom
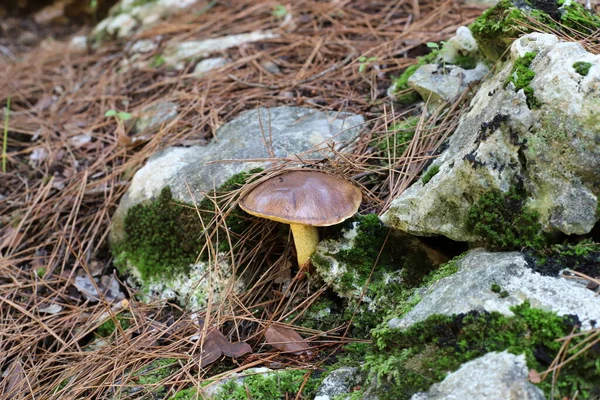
column 305, row 200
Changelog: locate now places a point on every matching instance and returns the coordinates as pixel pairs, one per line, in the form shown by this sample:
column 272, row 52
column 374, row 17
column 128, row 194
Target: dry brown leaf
column 14, row 380
column 229, row 349
column 287, row 340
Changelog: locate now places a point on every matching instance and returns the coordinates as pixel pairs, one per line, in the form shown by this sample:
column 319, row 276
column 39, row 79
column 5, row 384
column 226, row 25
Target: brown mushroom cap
column 303, row 197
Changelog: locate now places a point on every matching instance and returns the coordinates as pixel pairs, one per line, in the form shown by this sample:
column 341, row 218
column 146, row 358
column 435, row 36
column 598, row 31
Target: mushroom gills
column 306, row 238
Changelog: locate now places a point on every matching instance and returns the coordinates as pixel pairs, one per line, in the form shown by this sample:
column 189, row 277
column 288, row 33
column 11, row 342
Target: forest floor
column 67, row 166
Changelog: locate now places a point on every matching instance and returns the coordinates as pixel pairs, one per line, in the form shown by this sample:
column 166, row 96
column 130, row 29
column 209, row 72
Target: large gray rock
column 494, row 376
column 249, row 141
column 339, row 382
column 176, row 54
column 152, row 117
column 554, row 150
column 470, row 289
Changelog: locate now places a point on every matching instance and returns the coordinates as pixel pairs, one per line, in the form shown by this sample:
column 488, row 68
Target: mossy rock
column 499, row 26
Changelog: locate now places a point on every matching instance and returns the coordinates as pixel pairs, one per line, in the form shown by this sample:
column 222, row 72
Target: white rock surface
column 554, row 149
column 209, row 64
column 437, row 83
column 177, row 53
column 470, row 289
column 494, row 376
column 152, row 117
column 338, row 382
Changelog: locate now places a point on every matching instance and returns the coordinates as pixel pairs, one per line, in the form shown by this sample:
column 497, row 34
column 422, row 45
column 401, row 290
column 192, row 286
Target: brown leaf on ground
column 286, row 340
column 14, row 380
column 216, row 344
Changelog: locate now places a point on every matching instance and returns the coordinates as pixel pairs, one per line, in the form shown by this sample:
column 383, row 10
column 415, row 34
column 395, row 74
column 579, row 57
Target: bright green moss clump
column 500, row 25
column 403, row 363
column 276, row 385
column 431, row 172
column 502, row 222
column 521, row 76
column 164, row 237
column 582, row 68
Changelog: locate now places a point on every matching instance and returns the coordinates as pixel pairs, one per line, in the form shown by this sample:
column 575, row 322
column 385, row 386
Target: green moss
column 157, row 61
column 154, row 373
column 582, row 68
column 402, row 363
column 431, row 172
column 444, row 270
column 376, row 277
column 164, row 237
column 40, row 272
column 577, row 19
column 401, row 84
column 161, row 238
column 502, row 222
column 282, row 385
column 521, row 76
column 500, row 25
column 394, row 145
column 108, row 327
column 583, row 257
column 499, row 291
column 465, row 61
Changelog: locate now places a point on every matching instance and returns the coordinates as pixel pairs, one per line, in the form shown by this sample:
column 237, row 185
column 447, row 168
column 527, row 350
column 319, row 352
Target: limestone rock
column 128, row 16
column 209, row 64
column 192, row 289
column 177, row 53
column 470, row 289
column 438, row 83
column 349, row 279
column 552, row 149
column 338, row 382
column 494, row 376
column 154, row 116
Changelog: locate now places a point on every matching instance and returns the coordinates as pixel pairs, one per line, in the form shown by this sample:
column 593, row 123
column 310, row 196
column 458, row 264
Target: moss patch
column 582, row 68
column 502, row 222
column 402, row 363
column 108, row 327
column 500, row 25
column 521, row 76
column 431, row 172
column 164, row 237
column 275, row 385
column 583, row 257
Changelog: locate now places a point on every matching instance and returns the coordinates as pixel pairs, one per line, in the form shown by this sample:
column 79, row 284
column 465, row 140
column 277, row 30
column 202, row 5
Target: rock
column 128, row 16
column 151, row 118
column 437, row 83
column 143, row 46
column 545, row 139
column 121, row 26
column 494, row 376
column 78, row 44
column 176, row 54
column 339, row 382
column 193, row 288
column 209, row 64
column 396, row 263
column 471, row 289
column 295, row 132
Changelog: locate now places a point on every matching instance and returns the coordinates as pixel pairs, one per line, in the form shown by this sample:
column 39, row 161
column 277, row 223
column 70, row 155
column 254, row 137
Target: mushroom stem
column 306, row 238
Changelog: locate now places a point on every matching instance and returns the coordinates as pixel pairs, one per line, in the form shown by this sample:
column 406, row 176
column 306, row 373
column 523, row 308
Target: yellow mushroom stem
column 306, row 238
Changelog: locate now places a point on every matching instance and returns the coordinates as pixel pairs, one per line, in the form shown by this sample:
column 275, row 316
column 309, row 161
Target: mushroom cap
column 303, row 197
